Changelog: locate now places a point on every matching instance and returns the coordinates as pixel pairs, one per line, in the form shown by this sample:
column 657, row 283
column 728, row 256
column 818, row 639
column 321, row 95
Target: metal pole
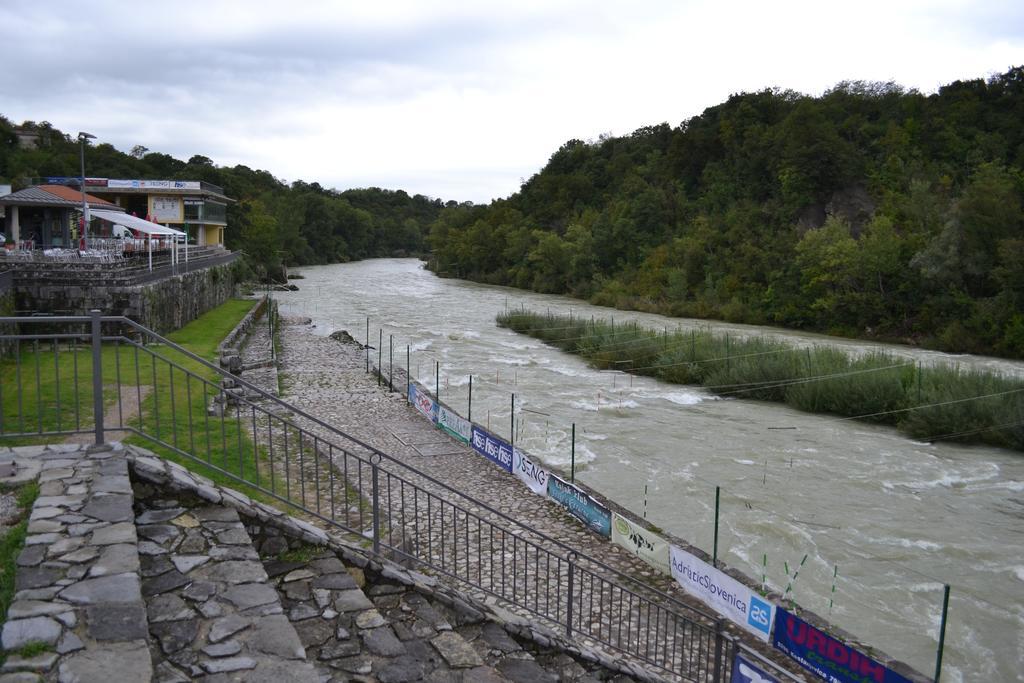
column 714, row 556
column 376, row 508
column 942, row 634
column 437, row 380
column 82, row 137
column 718, row 651
column 512, row 423
column 97, row 376
column 572, row 469
column 569, row 595
column 391, row 362
column 380, row 353
column 367, row 343
column 469, row 418
column 408, row 377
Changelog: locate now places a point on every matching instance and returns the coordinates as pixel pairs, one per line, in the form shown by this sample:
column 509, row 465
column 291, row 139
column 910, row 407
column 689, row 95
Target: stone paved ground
column 328, row 379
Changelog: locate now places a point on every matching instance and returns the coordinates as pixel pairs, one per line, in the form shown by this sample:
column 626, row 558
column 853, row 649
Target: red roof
column 71, row 195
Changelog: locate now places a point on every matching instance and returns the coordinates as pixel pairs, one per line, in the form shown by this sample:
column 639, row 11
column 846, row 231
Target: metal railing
column 64, row 372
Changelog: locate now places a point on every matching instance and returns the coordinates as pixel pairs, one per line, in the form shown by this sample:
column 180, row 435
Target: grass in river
column 934, row 403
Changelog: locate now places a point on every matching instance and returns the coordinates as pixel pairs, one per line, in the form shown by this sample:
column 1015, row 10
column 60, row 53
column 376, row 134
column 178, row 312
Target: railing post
column 97, row 376
column 374, row 461
column 719, row 642
column 570, row 558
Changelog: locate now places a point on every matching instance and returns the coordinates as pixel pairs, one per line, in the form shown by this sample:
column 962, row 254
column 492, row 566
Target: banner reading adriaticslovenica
column 645, row 544
column 825, row 656
column 492, row 448
column 532, row 474
column 422, row 401
column 580, row 505
column 454, row 424
column 723, row 593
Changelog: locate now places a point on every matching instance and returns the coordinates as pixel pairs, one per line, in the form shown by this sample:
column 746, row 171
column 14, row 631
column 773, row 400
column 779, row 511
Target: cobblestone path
column 457, row 537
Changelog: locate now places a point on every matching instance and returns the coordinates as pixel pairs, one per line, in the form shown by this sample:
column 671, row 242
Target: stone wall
column 162, row 306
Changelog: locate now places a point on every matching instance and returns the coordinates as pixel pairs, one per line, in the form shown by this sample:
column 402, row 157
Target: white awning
column 136, row 223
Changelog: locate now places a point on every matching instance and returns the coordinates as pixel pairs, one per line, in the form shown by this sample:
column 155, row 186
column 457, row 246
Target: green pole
column 572, row 471
column 512, row 423
column 408, row 377
column 714, row 556
column 380, row 354
column 942, row 634
column 391, row 363
column 367, row 343
column 469, row 417
column 919, row 386
column 437, row 380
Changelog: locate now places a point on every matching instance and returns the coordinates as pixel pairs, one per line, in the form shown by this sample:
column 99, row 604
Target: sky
column 454, row 100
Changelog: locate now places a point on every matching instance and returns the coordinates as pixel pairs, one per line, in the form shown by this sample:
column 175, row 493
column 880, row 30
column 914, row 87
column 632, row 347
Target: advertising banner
column 645, row 544
column 745, row 671
column 155, row 184
column 454, row 424
column 825, row 656
column 492, row 448
column 580, row 505
column 422, row 402
column 532, row 474
column 723, row 593
column 185, row 184
column 115, row 182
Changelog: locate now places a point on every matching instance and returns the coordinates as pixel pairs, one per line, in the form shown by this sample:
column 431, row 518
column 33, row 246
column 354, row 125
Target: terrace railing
column 94, row 375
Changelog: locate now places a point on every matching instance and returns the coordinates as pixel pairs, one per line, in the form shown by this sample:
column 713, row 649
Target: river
column 884, row 519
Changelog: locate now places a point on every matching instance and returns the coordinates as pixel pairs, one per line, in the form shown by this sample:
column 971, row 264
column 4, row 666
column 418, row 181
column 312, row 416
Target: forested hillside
column 272, row 222
column 869, row 211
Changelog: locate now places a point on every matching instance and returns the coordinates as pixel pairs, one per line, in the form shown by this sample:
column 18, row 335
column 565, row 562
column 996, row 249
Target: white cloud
column 455, row 99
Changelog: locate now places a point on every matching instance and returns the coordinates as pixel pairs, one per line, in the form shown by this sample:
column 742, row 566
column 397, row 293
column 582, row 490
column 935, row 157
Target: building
column 47, row 214
column 192, row 206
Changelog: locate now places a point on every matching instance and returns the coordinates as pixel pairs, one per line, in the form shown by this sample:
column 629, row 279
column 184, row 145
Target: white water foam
column 683, row 398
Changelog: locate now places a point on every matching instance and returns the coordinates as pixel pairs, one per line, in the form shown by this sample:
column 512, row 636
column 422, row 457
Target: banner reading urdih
column 423, row 403
column 492, row 448
column 722, row 592
column 645, row 544
column 454, row 424
column 822, row 654
column 533, row 475
column 580, row 505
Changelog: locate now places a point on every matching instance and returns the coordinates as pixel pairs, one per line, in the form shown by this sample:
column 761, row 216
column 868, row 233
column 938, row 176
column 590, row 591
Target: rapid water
column 893, row 519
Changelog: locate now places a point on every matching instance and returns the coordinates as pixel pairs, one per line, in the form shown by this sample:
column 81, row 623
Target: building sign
column 454, row 424
column 723, row 593
column 580, row 505
column 492, row 448
column 128, row 184
column 645, row 544
column 165, row 208
column 185, row 184
column 152, row 184
column 422, row 402
column 825, row 656
column 745, row 671
column 533, row 475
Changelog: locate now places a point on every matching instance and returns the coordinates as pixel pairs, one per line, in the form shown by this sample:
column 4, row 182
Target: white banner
column 114, row 182
column 166, row 208
column 454, row 424
column 645, row 544
column 723, row 593
column 533, row 475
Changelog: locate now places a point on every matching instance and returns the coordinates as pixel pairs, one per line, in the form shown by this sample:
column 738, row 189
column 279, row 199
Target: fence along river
column 894, row 519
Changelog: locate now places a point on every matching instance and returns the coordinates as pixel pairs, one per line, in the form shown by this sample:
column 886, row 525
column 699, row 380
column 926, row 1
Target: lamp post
column 82, row 137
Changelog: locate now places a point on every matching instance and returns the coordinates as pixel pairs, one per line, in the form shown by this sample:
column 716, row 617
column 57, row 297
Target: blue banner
column 580, row 505
column 492, row 448
column 745, row 671
column 825, row 656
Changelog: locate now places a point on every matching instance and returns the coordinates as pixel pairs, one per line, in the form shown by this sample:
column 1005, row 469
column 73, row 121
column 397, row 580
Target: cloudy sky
column 458, row 100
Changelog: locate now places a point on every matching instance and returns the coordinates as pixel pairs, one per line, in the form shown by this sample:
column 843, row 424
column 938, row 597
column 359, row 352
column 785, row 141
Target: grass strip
column 940, row 402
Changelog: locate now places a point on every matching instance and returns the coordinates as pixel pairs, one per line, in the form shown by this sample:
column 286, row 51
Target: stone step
column 211, row 611
column 78, row 582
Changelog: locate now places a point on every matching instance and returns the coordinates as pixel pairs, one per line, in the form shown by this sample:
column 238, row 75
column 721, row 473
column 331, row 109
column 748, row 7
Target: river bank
column 898, row 517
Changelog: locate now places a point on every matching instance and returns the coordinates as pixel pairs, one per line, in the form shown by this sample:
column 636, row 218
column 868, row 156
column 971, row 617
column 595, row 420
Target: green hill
column 870, row 211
